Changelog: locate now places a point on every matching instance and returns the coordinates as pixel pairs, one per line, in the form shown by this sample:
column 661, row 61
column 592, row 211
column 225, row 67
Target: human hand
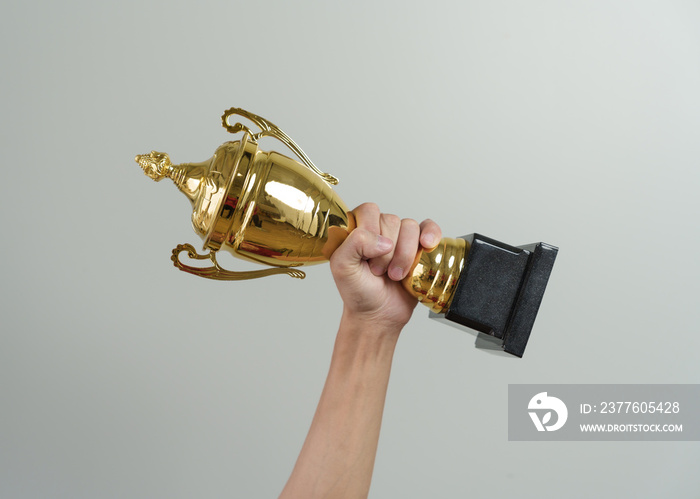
column 370, row 264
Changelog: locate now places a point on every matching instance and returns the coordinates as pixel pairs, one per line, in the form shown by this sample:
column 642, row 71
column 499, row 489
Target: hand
column 370, row 264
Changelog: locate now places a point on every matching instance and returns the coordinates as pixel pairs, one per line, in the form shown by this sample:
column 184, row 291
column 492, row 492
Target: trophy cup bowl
column 268, row 208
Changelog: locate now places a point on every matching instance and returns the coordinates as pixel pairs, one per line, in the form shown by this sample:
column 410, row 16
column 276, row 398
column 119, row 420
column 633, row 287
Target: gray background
column 575, row 123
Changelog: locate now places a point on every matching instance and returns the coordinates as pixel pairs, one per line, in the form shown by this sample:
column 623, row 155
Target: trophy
column 268, row 208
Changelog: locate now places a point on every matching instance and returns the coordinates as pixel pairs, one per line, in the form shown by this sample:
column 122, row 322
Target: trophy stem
column 433, row 277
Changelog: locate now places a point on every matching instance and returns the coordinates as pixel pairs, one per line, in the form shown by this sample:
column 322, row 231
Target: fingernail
column 384, row 243
column 396, row 273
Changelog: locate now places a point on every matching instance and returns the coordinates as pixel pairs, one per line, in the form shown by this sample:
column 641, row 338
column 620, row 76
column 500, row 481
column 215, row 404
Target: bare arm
column 337, row 458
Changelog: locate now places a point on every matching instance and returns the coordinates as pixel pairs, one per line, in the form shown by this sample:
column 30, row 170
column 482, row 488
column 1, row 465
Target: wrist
column 363, row 325
column 363, row 350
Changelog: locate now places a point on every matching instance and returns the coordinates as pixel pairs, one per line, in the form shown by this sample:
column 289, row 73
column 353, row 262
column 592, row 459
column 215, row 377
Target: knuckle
column 391, row 220
column 368, row 207
column 409, row 223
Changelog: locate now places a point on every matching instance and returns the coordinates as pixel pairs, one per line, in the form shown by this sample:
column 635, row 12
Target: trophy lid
column 209, row 186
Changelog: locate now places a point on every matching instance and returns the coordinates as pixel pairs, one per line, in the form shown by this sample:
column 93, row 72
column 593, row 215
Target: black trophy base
column 499, row 292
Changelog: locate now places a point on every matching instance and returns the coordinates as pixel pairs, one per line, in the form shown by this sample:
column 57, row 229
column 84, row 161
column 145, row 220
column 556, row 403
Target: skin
column 337, row 458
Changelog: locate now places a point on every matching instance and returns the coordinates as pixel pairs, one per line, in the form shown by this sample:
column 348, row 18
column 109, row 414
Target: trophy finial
column 156, row 165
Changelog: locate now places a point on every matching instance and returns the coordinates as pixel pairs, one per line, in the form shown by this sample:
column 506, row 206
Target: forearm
column 337, row 458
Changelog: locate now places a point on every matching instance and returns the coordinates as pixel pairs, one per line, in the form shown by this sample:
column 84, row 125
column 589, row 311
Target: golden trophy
column 283, row 213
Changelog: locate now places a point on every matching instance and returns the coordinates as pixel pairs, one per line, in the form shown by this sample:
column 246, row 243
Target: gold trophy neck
column 434, row 275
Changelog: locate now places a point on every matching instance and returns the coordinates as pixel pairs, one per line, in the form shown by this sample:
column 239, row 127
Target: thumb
column 362, row 244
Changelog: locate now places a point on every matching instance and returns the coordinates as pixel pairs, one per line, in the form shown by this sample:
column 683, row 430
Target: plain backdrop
column 574, row 123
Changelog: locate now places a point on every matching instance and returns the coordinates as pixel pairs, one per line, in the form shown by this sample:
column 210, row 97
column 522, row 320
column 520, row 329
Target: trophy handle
column 269, row 129
column 220, row 274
